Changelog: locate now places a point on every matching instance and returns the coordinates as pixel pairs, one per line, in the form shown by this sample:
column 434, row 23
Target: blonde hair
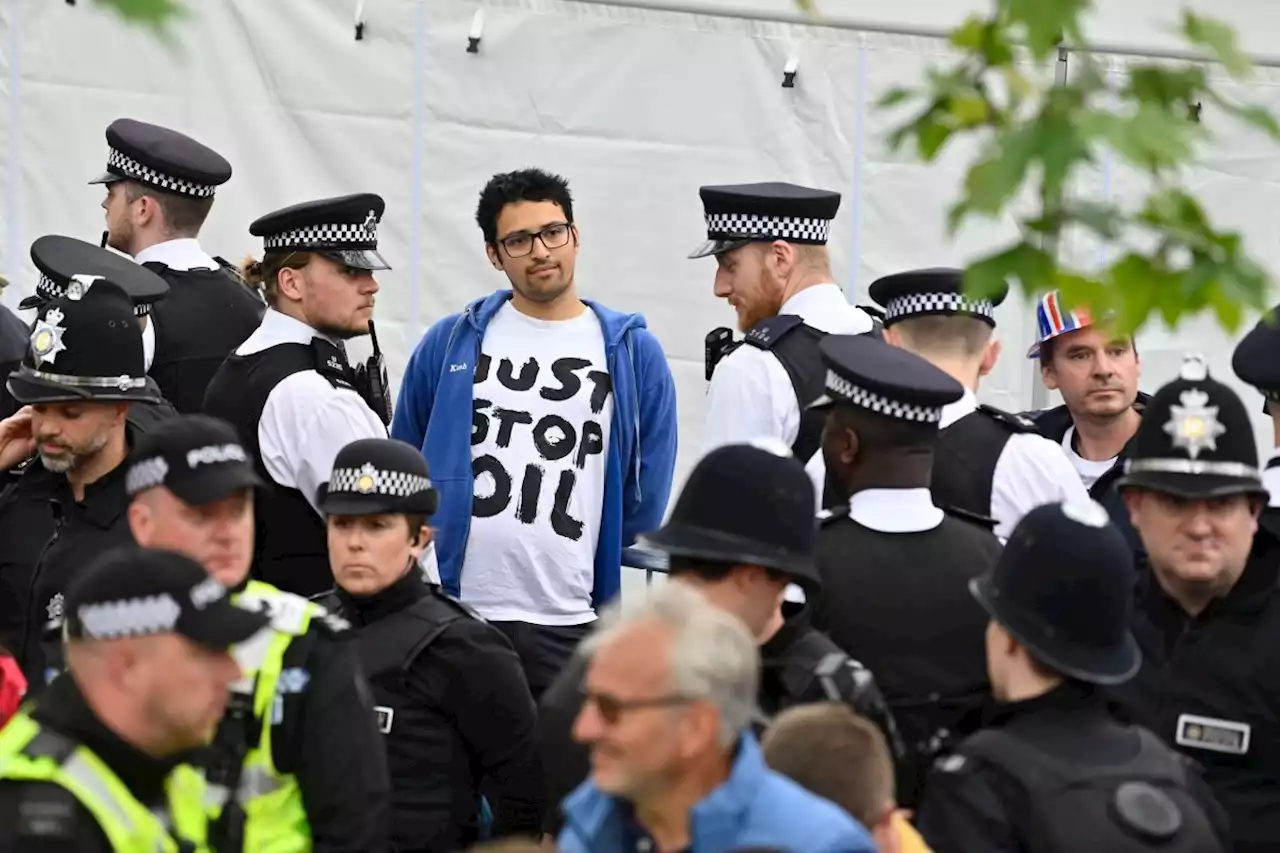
column 944, row 335
column 264, row 274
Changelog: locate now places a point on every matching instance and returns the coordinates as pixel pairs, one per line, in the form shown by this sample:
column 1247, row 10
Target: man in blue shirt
column 549, row 424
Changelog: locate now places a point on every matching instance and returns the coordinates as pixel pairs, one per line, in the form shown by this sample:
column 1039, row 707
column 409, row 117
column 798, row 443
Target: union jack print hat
column 1052, row 320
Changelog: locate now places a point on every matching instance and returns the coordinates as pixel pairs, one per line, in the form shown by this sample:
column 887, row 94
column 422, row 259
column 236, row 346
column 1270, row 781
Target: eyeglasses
column 553, row 236
column 612, row 708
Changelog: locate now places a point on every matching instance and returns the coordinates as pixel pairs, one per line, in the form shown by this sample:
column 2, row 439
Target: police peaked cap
column 84, row 347
column 162, row 159
column 1063, row 587
column 1195, row 441
column 372, row 476
column 59, row 258
column 746, row 213
column 1256, row 360
column 344, row 229
column 931, row 293
column 748, row 504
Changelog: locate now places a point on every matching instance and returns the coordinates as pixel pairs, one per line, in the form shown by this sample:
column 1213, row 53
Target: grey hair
column 713, row 655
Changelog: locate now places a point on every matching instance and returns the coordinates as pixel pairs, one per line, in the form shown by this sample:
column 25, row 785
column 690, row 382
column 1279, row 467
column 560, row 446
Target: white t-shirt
column 543, row 405
column 1088, row 469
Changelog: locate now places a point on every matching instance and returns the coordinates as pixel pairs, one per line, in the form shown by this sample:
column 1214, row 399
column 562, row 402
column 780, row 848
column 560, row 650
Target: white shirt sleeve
column 750, row 396
column 149, row 343
column 304, row 424
column 1032, row 470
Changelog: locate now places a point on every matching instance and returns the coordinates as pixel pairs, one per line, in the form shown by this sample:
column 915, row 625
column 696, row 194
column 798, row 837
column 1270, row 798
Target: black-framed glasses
column 612, row 708
column 553, row 236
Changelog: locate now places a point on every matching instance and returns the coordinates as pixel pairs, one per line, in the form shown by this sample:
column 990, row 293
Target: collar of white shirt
column 895, row 510
column 279, row 328
column 825, row 308
column 953, row 412
column 179, row 255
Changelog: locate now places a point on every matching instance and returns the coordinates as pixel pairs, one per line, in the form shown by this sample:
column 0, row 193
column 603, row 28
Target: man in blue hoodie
column 549, row 424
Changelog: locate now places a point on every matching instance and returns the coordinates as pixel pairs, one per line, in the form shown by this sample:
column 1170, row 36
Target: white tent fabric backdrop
column 636, row 107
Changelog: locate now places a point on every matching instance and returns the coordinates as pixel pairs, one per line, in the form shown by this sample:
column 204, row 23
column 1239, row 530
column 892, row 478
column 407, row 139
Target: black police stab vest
column 291, row 550
column 965, row 457
column 795, row 345
column 205, row 316
column 434, row 805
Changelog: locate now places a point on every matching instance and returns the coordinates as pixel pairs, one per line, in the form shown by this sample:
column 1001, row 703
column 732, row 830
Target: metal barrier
column 646, row 561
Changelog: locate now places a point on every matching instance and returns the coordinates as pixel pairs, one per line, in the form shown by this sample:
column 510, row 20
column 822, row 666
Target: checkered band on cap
column 320, row 236
column 843, row 389
column 368, row 480
column 797, row 229
column 49, row 289
column 146, row 474
column 133, row 617
column 121, row 163
column 933, row 303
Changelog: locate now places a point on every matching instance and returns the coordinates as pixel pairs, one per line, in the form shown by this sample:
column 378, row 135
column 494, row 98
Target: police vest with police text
column 1140, row 806
column 32, row 753
column 292, row 552
column 275, row 819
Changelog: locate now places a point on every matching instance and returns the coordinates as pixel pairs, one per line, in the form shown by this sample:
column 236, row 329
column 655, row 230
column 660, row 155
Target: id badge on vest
column 385, row 718
column 1225, row 736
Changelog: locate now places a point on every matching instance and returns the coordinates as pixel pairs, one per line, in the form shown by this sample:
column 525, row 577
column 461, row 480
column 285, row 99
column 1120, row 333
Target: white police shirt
column 750, row 395
column 181, row 255
column 1031, row 470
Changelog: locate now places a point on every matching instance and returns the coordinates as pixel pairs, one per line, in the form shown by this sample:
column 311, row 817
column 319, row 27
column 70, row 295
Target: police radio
column 719, row 343
column 371, row 381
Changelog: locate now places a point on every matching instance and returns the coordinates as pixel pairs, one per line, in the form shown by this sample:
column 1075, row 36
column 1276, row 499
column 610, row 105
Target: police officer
column 58, row 258
column 1256, row 361
column 288, row 390
column 451, row 696
column 1060, row 602
column 1208, row 613
column 96, row 764
column 769, row 242
column 298, row 746
column 83, row 371
column 986, row 461
column 160, row 189
column 742, row 529
column 895, row 567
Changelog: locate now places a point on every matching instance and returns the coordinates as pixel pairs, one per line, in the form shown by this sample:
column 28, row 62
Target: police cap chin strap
column 371, row 380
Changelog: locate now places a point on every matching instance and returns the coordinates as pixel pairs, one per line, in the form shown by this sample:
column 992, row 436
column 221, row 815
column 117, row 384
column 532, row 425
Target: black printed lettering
column 561, row 522
column 523, row 382
column 491, row 505
column 554, row 437
column 479, row 421
column 592, row 443
column 530, row 491
column 507, row 419
column 603, row 383
column 563, row 370
column 482, row 369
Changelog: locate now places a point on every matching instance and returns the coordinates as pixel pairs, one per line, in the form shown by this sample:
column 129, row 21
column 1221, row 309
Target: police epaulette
column 984, row 521
column 1015, row 422
column 835, row 513
column 767, row 333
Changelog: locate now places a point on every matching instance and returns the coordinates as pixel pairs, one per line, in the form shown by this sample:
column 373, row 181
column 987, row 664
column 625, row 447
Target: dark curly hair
column 523, row 185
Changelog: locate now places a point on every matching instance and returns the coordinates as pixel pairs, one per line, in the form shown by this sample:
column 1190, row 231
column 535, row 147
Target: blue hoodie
column 434, row 412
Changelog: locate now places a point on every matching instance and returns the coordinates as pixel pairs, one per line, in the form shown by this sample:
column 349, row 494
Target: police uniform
column 58, row 258
column 210, row 310
column 1056, row 423
column 761, row 389
column 451, row 695
column 743, row 504
column 297, row 763
column 291, row 395
column 1208, row 684
column 1063, row 590
column 895, row 567
column 1256, row 362
column 68, row 781
column 85, row 347
column 987, row 462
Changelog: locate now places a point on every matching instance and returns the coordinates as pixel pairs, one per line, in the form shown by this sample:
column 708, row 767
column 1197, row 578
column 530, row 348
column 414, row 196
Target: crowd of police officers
column 212, row 571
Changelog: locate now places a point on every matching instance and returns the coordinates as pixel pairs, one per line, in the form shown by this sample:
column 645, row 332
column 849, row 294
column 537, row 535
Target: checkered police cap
column 326, row 235
column 924, row 304
column 841, row 389
column 48, row 289
column 368, row 480
column 793, row 229
column 373, row 476
column 122, row 164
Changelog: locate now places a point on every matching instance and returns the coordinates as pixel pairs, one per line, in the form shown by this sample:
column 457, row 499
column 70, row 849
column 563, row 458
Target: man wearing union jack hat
column 1097, row 375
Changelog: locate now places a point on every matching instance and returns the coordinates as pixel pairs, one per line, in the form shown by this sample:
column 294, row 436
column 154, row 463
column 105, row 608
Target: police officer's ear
column 290, row 281
column 121, row 411
column 780, row 257
column 990, row 355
